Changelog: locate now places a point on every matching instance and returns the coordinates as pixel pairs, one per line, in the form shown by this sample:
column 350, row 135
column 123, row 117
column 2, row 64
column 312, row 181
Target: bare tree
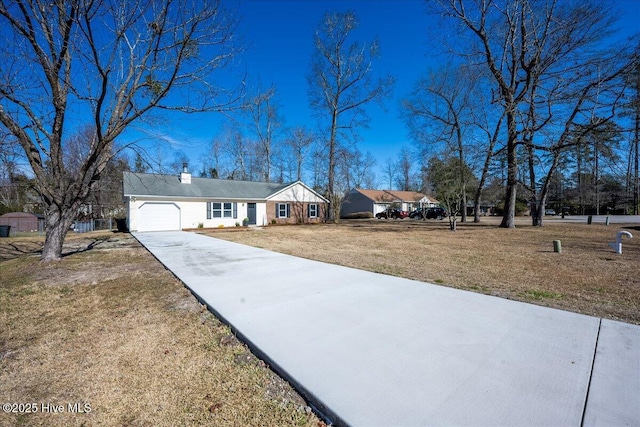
column 299, row 141
column 105, row 198
column 265, row 123
column 354, row 169
column 632, row 110
column 105, row 63
column 362, row 170
column 341, row 85
column 543, row 56
column 213, row 163
column 405, row 178
column 318, row 163
column 440, row 110
column 447, row 107
column 574, row 110
column 390, row 172
column 239, row 152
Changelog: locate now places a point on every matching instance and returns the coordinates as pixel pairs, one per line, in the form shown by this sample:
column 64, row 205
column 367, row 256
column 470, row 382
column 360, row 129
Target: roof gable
column 391, row 196
column 379, row 196
column 301, row 184
column 407, row 196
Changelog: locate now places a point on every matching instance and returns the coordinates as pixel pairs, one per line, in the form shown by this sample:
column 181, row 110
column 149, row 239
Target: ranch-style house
column 156, row 202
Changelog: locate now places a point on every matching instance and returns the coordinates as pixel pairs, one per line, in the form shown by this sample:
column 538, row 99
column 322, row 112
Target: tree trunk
column 596, row 177
column 464, row 201
column 58, row 224
column 476, row 209
column 485, row 172
column 536, row 208
column 636, row 134
column 478, row 194
column 508, row 217
column 536, row 211
column 463, row 180
column 332, row 165
column 580, row 178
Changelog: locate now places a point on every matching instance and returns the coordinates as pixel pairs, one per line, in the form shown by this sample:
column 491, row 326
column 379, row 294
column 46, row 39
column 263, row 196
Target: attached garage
column 158, row 217
column 168, row 202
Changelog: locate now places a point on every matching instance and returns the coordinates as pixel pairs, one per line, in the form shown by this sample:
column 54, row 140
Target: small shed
column 23, row 221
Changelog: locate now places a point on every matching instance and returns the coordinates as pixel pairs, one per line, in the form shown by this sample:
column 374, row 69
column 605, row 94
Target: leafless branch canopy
column 106, row 64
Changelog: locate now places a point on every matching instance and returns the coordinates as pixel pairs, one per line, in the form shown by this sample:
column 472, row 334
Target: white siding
column 191, row 214
column 154, row 216
column 297, row 193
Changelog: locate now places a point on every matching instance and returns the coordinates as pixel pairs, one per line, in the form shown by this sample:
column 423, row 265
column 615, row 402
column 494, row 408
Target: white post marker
column 617, row 245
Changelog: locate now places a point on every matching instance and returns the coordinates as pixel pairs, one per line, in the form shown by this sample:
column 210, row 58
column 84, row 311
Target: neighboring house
column 23, row 221
column 173, row 202
column 412, row 200
column 375, row 201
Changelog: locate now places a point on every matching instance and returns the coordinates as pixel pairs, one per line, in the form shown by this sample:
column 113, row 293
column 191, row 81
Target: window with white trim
column 222, row 210
column 312, row 210
column 283, row 210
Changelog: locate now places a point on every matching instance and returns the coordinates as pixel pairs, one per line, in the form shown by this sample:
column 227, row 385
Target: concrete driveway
column 373, row 350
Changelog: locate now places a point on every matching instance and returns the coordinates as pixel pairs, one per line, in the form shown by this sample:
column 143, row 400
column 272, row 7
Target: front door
column 251, row 213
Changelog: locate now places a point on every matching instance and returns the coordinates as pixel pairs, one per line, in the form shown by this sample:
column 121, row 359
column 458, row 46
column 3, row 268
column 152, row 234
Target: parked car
column 549, row 211
column 417, row 214
column 436, row 213
column 428, row 213
column 392, row 213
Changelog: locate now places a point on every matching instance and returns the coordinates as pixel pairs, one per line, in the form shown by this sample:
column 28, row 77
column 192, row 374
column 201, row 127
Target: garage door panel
column 158, row 217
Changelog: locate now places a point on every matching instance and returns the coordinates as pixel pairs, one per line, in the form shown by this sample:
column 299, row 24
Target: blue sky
column 282, row 46
column 278, row 37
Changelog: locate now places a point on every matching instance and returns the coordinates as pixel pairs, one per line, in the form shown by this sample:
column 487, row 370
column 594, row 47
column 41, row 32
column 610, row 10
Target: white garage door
column 158, row 217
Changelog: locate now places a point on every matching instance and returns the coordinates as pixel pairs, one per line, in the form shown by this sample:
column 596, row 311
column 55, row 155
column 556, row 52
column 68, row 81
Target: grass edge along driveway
column 107, row 336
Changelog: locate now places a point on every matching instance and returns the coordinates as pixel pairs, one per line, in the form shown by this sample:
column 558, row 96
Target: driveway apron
column 368, row 349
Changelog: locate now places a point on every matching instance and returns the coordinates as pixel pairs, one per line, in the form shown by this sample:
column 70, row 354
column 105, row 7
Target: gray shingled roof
column 144, row 184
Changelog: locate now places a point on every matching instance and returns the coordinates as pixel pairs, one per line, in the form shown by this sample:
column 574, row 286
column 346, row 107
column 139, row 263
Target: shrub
column 200, row 225
column 358, row 215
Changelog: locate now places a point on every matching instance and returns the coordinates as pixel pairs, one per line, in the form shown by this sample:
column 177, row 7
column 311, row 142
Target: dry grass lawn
column 519, row 264
column 109, row 328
